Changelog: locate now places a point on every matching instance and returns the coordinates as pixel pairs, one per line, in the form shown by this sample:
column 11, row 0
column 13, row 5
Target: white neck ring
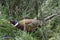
column 16, row 24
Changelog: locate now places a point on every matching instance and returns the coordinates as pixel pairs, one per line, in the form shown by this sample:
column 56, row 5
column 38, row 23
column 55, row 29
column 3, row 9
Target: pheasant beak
column 11, row 21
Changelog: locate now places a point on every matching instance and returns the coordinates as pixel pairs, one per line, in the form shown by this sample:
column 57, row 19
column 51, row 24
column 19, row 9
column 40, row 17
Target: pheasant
column 29, row 24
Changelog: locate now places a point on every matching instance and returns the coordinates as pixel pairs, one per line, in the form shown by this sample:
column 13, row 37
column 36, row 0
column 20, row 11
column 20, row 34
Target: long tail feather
column 50, row 17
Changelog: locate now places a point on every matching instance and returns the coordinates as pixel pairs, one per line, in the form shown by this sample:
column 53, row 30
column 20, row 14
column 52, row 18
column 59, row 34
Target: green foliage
column 20, row 9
